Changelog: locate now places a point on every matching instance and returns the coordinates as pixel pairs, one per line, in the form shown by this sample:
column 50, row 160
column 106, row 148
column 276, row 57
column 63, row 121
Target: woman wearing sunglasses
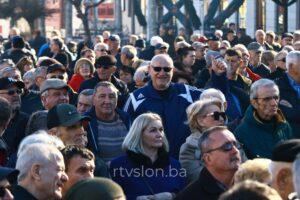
column 202, row 115
column 83, row 70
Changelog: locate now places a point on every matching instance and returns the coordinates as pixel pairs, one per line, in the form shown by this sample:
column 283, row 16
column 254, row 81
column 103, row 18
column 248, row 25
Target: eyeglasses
column 267, row 99
column 158, row 69
column 228, row 146
column 57, row 76
column 216, row 115
column 3, row 190
column 12, row 92
column 102, row 50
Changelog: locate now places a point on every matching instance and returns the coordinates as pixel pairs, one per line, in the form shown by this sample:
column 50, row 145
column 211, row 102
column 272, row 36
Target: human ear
column 35, row 171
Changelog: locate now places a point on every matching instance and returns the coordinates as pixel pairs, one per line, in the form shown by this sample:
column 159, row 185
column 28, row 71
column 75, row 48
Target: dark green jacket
column 259, row 138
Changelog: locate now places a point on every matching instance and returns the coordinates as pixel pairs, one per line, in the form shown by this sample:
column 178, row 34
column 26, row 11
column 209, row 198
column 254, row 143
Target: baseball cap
column 213, row 38
column 6, row 82
column 255, row 46
column 286, row 151
column 53, row 83
column 114, row 37
column 8, row 173
column 284, row 35
column 56, row 67
column 160, row 46
column 64, row 115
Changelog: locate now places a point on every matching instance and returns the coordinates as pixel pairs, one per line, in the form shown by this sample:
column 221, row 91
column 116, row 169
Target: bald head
column 162, row 59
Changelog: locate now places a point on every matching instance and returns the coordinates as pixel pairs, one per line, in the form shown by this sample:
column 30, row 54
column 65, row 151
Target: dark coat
column 17, row 54
column 261, row 70
column 147, row 54
column 21, row 193
column 120, row 85
column 31, row 102
column 205, row 188
column 288, row 94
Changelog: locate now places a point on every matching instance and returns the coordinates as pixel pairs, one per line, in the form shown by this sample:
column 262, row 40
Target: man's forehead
column 104, row 90
column 222, row 135
column 161, row 62
column 57, row 89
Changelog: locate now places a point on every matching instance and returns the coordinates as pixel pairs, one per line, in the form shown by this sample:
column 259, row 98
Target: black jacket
column 21, row 193
column 288, row 94
column 120, row 85
column 17, row 54
column 31, row 102
column 261, row 70
column 205, row 188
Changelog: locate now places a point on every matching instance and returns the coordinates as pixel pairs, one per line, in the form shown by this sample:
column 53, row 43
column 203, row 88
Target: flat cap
column 53, row 83
column 286, row 151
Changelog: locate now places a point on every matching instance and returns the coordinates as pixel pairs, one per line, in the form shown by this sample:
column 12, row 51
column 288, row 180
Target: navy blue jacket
column 172, row 110
column 92, row 128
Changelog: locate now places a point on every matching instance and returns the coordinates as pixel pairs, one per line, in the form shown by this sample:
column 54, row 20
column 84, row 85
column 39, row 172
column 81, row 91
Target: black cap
column 284, row 35
column 140, row 43
column 64, row 115
column 56, row 67
column 6, row 82
column 18, row 42
column 286, row 151
column 160, row 46
column 106, row 61
column 8, row 173
column 213, row 38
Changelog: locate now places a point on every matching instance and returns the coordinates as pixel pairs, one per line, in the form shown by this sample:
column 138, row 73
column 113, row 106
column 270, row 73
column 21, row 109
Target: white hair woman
column 202, row 115
column 145, row 171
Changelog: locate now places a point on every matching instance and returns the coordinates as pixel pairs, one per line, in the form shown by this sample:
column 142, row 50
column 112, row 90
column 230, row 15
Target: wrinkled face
column 55, row 97
column 73, row 135
column 85, row 70
column 266, row 102
column 105, row 101
column 287, row 41
column 101, row 51
column 152, row 136
column 90, row 55
column 84, row 103
column 52, row 178
column 233, row 63
column 105, row 72
column 255, row 57
column 125, row 76
column 78, row 169
column 222, row 161
column 13, row 96
column 190, row 58
column 206, row 120
column 260, row 37
column 7, row 193
column 161, row 73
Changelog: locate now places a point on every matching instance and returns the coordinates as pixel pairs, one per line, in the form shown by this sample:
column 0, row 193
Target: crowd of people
column 176, row 117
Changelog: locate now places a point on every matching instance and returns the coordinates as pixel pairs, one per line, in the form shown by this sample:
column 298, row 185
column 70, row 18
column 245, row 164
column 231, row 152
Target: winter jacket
column 76, row 81
column 172, row 110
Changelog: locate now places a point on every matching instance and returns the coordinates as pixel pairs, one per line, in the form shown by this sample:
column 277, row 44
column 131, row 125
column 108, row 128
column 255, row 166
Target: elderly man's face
column 73, row 135
column 260, row 37
column 84, row 103
column 266, row 102
column 105, row 101
column 161, row 72
column 52, row 177
column 55, row 97
column 222, row 160
column 13, row 96
column 7, row 195
column 101, row 51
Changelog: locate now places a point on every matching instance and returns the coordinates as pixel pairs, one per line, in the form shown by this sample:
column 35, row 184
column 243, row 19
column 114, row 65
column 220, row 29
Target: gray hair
column 29, row 75
column 40, row 71
column 212, row 93
column 99, row 45
column 259, row 84
column 37, row 153
column 4, row 72
column 133, row 140
column 108, row 85
column 296, row 174
column 141, row 73
column 292, row 58
column 129, row 50
column 87, row 92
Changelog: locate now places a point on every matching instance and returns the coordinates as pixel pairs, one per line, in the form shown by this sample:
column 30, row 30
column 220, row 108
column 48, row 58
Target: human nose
column 64, row 177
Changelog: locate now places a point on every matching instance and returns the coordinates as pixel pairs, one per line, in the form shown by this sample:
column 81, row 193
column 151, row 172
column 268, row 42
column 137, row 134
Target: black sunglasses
column 216, row 115
column 158, row 69
column 228, row 146
column 57, row 76
column 12, row 92
column 3, row 190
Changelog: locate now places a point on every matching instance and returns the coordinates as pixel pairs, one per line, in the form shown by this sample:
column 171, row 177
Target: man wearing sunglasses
column 11, row 90
column 263, row 125
column 221, row 158
column 165, row 98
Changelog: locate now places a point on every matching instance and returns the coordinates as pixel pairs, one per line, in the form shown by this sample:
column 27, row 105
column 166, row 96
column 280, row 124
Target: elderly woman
column 202, row 115
column 146, row 171
column 83, row 70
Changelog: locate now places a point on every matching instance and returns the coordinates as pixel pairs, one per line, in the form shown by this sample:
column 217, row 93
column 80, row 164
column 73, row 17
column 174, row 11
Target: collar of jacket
column 162, row 160
column 210, row 184
column 153, row 93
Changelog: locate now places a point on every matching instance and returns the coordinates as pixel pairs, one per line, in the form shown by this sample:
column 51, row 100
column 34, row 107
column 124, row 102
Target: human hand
column 163, row 196
column 218, row 66
column 145, row 197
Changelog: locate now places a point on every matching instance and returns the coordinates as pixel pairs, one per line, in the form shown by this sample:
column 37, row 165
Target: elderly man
column 85, row 100
column 221, row 157
column 101, row 49
column 106, row 66
column 264, row 124
column 289, row 87
column 128, row 56
column 66, row 123
column 11, row 90
column 54, row 91
column 42, row 173
column 283, row 156
column 109, row 125
column 167, row 99
column 260, row 37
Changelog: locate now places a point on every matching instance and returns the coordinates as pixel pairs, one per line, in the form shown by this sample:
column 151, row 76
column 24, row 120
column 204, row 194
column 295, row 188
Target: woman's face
column 27, row 67
column 84, row 70
column 152, row 136
column 206, row 120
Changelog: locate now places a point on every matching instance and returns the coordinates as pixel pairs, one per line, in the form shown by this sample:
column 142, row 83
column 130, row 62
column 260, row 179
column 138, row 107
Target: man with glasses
column 263, row 125
column 289, row 87
column 100, row 49
column 165, row 98
column 221, row 158
column 57, row 71
column 106, row 66
column 11, row 90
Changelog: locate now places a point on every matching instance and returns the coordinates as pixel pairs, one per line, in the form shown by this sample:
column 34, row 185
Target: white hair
column 41, row 137
column 259, row 84
column 35, row 154
column 30, row 75
column 212, row 93
column 141, row 73
column 296, row 174
column 220, row 32
column 98, row 46
column 156, row 40
column 260, row 31
column 292, row 58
